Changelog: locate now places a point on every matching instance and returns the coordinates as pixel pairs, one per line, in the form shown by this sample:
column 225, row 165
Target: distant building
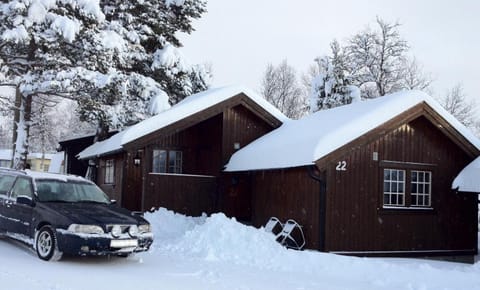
column 37, row 161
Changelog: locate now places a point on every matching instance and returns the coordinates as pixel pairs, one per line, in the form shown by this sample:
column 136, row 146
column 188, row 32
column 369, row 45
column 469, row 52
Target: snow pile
column 224, row 239
column 221, row 239
column 169, row 226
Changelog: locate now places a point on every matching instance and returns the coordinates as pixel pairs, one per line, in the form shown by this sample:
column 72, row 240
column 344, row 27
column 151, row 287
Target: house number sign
column 341, row 166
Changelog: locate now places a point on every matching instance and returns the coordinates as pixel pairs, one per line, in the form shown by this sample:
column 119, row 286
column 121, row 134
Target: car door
column 19, row 216
column 6, row 182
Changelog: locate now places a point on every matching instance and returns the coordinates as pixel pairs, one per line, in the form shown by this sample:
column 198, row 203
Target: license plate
column 123, row 243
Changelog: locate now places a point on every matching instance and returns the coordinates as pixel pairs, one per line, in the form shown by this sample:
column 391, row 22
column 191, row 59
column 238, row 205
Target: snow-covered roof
column 110, row 145
column 194, row 104
column 468, row 180
column 187, row 107
column 302, row 142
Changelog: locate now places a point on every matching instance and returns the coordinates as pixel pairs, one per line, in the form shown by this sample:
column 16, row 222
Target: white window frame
column 395, row 194
column 162, row 161
column 109, row 177
column 423, row 188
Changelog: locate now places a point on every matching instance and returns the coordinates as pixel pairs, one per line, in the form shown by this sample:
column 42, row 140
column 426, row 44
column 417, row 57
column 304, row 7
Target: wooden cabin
column 369, row 178
column 175, row 159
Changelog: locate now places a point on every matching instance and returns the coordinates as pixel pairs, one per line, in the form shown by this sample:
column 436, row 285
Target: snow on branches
column 119, row 60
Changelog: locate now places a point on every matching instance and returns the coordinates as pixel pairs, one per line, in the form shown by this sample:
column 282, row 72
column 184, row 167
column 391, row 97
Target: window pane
column 400, row 199
column 400, row 175
column 414, row 176
column 386, row 174
column 401, row 187
column 159, row 161
column 427, row 200
column 413, row 188
column 394, row 199
column 386, row 199
column 427, row 188
column 394, row 175
column 386, row 187
column 420, row 188
column 414, row 200
column 394, row 187
column 420, row 177
column 175, row 161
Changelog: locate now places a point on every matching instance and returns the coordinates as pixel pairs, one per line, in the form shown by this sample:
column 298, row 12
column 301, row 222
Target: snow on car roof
column 302, row 142
column 187, row 107
column 46, row 175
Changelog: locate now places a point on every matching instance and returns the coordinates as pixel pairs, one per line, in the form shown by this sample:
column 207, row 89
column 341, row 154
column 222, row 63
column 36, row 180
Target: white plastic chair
column 274, row 226
column 292, row 235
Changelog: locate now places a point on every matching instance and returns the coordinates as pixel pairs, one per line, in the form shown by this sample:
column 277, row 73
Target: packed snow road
column 219, row 253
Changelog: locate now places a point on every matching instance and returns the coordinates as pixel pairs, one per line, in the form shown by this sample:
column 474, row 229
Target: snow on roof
column 302, row 142
column 468, row 180
column 194, row 104
column 110, row 145
column 187, row 107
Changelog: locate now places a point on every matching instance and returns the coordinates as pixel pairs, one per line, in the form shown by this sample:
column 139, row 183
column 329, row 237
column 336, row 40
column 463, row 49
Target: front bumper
column 101, row 245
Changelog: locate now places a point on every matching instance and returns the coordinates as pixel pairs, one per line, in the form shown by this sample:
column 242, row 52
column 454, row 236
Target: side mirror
column 113, row 201
column 26, row 200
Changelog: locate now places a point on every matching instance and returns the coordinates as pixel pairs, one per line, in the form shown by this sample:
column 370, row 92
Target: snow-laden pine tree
column 331, row 87
column 119, row 60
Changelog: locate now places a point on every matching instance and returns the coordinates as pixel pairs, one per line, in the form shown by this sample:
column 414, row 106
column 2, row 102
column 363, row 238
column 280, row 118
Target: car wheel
column 46, row 245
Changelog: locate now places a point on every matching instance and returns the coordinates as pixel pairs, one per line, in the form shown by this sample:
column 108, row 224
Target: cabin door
column 237, row 198
column 134, row 176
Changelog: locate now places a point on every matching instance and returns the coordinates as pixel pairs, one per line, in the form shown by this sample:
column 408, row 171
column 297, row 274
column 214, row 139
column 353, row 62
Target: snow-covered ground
column 219, row 253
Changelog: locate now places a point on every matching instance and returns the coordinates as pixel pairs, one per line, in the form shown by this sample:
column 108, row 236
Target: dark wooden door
column 133, row 185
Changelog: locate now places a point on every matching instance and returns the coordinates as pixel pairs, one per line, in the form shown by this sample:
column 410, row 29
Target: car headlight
column 85, row 229
column 144, row 228
column 133, row 231
column 116, row 231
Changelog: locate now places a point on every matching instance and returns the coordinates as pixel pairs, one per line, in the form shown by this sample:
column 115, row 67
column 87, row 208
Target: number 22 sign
column 341, row 166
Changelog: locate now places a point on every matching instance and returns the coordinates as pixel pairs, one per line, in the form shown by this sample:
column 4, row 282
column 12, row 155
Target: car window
column 61, row 191
column 22, row 187
column 6, row 182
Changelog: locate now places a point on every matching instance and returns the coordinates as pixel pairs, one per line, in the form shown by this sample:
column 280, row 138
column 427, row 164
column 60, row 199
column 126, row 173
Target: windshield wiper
column 90, row 201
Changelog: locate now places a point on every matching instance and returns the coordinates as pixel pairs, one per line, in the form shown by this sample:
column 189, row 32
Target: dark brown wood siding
column 356, row 220
column 191, row 195
column 287, row 194
column 240, row 127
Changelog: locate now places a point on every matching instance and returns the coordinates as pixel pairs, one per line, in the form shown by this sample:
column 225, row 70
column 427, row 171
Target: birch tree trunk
column 21, row 128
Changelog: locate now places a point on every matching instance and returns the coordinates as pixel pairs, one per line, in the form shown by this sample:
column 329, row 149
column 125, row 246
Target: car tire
column 46, row 244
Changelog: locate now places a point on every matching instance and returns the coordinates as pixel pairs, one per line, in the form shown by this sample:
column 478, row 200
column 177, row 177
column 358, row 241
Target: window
column 22, row 187
column 407, row 188
column 167, row 161
column 421, row 186
column 394, row 187
column 6, row 182
column 109, row 172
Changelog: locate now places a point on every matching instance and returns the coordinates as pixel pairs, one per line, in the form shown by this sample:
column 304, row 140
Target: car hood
column 91, row 213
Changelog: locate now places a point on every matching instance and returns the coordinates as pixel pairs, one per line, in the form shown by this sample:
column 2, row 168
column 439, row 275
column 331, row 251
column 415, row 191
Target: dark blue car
column 62, row 214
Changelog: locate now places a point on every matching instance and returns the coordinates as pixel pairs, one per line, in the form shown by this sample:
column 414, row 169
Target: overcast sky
column 240, row 37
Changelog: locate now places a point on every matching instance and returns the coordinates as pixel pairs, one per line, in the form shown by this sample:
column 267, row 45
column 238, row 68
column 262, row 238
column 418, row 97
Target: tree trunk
column 21, row 128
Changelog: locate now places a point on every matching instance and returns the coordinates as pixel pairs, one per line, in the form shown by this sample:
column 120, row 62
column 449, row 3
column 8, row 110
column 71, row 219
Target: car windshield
column 71, row 191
